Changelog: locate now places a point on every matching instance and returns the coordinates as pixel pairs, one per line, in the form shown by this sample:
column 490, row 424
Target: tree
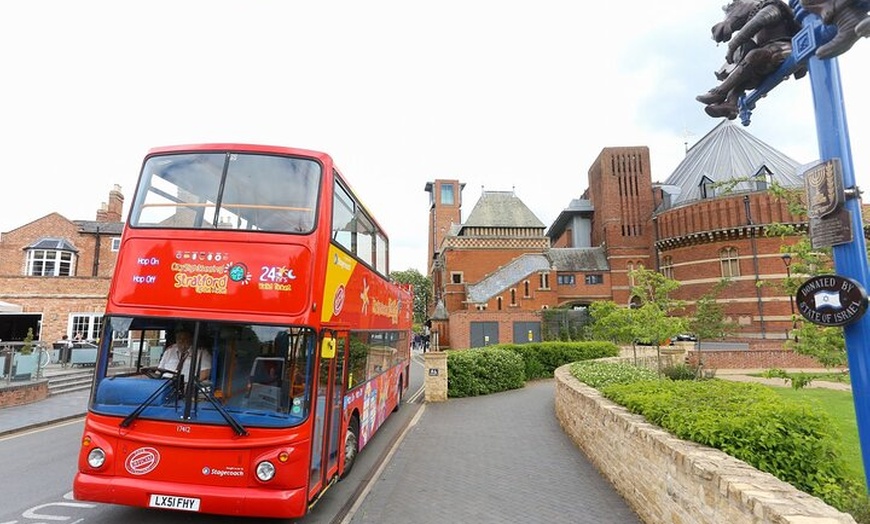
column 611, row 322
column 709, row 321
column 825, row 344
column 653, row 321
column 422, row 288
column 651, row 287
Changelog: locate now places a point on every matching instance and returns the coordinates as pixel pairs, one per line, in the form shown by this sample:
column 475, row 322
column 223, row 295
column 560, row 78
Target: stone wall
column 666, row 479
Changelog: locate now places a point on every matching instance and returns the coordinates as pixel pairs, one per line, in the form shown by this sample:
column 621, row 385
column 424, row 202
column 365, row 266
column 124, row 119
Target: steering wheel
column 157, row 372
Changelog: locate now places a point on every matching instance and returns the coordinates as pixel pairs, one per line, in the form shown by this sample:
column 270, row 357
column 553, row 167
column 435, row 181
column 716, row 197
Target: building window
column 668, row 267
column 526, row 289
column 116, row 243
column 513, row 297
column 762, row 178
column 729, row 262
column 86, row 326
column 630, row 269
column 498, row 303
column 456, row 277
column 594, row 279
column 708, row 190
column 566, row 279
column 51, row 257
column 447, row 195
column 545, row 280
column 481, row 307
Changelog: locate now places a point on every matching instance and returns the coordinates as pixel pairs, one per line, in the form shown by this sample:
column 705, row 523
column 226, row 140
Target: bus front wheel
column 351, row 445
column 398, row 394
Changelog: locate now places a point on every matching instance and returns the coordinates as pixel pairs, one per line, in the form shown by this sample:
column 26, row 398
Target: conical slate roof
column 501, row 209
column 728, row 153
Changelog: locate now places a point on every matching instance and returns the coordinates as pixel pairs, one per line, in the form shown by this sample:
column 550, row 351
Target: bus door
column 326, row 438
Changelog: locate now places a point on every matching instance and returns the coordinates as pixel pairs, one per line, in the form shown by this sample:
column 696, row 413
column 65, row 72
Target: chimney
column 102, row 213
column 112, row 211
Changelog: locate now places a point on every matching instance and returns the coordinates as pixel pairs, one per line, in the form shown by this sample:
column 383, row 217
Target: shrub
column 473, row 372
column 600, row 374
column 792, row 441
column 540, row 359
column 681, row 372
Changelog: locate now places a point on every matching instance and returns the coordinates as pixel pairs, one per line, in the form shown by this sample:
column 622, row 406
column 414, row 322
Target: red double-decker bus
column 293, row 345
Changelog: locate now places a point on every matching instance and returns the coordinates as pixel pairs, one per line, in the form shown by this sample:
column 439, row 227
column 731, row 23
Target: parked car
column 686, row 337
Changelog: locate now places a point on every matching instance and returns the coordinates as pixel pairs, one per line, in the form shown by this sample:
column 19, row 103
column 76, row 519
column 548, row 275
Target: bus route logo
column 142, row 461
column 238, row 273
column 338, row 301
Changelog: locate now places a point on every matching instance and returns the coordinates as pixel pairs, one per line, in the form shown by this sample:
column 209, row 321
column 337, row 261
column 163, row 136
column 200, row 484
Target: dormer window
column 762, row 178
column 50, row 257
column 708, row 190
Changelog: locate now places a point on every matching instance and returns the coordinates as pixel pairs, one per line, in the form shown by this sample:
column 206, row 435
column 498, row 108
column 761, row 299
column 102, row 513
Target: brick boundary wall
column 665, row 479
column 17, row 394
column 753, row 359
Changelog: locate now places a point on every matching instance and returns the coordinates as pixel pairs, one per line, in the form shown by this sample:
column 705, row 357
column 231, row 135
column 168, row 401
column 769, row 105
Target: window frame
column 57, row 263
column 729, row 262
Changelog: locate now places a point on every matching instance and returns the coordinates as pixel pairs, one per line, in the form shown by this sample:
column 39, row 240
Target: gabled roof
column 578, row 259
column 507, row 276
column 501, row 209
column 727, row 153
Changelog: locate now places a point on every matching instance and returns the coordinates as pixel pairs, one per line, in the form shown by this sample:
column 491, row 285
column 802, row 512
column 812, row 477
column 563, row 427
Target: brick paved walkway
column 499, row 458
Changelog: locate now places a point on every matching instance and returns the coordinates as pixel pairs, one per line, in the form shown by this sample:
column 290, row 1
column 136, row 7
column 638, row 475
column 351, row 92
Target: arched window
column 526, row 289
column 498, row 302
column 630, row 268
column 729, row 262
column 513, row 297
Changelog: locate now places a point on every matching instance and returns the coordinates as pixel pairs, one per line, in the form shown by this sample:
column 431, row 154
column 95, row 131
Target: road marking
column 25, row 433
column 368, row 487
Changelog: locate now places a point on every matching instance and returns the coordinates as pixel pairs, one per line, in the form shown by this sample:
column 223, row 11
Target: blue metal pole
column 850, row 259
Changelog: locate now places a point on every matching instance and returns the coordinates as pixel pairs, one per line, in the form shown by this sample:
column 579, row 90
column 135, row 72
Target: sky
column 500, row 95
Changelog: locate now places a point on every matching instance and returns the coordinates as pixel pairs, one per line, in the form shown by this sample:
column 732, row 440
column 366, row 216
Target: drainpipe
column 755, row 265
column 96, row 269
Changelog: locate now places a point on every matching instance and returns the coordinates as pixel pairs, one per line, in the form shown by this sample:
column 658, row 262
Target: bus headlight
column 265, row 471
column 96, row 458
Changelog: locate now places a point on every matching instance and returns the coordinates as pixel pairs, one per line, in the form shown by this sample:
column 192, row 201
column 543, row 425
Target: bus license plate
column 172, row 502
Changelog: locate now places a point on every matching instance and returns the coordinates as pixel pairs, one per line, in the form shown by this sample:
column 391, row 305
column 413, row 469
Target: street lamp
column 786, row 259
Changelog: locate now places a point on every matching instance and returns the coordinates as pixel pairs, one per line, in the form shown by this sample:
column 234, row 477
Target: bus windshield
column 217, row 190
column 248, row 375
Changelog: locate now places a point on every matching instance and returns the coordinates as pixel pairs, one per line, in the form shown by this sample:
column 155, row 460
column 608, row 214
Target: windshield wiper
column 138, row 411
column 206, row 392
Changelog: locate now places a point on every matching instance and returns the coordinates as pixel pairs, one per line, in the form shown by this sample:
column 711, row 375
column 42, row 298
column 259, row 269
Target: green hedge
column 473, row 372
column 540, row 359
column 500, row 367
column 791, row 441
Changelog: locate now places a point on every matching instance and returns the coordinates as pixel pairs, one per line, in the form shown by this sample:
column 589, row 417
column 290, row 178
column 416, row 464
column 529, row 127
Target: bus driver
column 174, row 358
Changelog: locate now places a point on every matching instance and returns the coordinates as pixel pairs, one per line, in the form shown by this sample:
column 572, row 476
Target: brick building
column 55, row 274
column 494, row 273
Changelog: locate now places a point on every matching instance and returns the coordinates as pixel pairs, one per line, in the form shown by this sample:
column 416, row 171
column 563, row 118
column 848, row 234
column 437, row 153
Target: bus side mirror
column 327, row 347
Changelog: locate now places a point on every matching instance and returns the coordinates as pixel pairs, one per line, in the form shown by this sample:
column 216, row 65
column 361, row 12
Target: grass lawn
column 840, row 406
